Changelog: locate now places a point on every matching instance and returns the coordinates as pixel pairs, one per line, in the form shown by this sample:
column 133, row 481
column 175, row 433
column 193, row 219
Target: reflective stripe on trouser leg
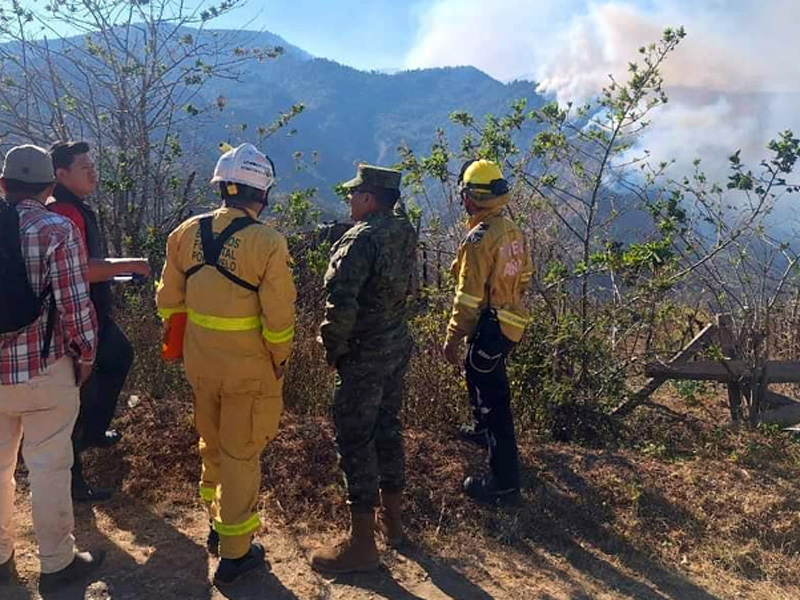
column 210, row 498
column 247, row 422
column 208, row 494
column 244, row 528
column 206, row 418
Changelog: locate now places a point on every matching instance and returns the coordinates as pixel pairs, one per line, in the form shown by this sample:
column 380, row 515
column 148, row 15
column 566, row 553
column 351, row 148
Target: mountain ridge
column 349, row 115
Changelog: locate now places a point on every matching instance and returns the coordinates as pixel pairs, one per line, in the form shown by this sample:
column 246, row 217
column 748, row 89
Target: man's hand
column 83, row 370
column 452, row 351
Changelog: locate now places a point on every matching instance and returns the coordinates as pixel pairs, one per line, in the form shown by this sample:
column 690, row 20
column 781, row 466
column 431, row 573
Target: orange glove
column 172, row 343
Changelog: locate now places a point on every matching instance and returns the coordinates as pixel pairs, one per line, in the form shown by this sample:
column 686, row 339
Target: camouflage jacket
column 367, row 284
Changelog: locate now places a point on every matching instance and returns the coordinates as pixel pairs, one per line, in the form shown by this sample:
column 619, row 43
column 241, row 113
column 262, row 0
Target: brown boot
column 390, row 518
column 354, row 554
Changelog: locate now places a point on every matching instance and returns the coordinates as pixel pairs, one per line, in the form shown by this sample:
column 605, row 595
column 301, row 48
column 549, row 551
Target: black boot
column 107, row 440
column 231, row 569
column 81, row 566
column 212, row 541
column 484, row 488
column 475, row 434
column 83, row 492
column 8, row 571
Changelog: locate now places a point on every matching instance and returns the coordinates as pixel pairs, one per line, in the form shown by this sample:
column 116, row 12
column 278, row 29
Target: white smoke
column 733, row 83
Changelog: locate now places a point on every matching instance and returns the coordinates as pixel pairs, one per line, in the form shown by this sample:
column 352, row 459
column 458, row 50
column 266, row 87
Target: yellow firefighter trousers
column 235, row 420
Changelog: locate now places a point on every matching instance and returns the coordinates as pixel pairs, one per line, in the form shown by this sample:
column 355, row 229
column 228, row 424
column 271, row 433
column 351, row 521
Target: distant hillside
column 349, row 116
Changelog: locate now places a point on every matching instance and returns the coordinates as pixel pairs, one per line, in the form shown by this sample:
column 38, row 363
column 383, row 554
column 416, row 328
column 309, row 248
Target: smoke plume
column 733, row 83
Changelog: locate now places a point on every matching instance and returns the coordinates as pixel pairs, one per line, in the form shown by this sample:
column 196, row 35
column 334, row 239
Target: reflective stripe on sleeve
column 166, row 313
column 512, row 319
column 468, row 300
column 278, row 337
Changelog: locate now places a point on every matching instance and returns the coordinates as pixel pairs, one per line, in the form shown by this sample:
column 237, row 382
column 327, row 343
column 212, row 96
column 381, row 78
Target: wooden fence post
column 730, row 350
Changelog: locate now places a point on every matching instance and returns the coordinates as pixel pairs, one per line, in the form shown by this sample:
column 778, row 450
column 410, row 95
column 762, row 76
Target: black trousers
column 100, row 393
column 490, row 398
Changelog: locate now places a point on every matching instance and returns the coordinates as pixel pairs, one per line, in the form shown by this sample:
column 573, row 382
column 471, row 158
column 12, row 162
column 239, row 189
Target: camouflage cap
column 375, row 177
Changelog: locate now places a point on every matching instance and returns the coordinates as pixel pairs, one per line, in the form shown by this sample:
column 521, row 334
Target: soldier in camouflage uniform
column 367, row 342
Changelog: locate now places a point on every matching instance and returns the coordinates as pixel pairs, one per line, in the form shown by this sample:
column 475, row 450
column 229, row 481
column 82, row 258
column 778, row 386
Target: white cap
column 246, row 165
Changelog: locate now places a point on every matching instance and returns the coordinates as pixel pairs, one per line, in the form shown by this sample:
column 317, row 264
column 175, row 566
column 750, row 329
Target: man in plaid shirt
column 39, row 386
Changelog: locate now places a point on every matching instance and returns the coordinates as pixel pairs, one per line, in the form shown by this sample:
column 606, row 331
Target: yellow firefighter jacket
column 232, row 332
column 493, row 267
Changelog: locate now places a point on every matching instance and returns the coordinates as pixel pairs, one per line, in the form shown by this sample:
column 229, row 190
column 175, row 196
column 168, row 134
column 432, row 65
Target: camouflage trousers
column 366, row 416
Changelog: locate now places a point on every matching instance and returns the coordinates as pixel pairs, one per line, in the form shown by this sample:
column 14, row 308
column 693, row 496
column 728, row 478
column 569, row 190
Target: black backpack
column 19, row 304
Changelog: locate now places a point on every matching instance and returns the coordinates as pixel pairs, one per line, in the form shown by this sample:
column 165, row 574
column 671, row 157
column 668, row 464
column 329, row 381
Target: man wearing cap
column 491, row 271
column 367, row 342
column 77, row 180
column 42, row 364
column 230, row 275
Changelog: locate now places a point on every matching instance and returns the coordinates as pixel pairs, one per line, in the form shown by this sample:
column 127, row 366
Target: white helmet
column 247, row 166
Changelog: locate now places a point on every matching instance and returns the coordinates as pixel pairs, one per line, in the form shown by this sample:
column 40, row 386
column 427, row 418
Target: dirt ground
column 697, row 513
column 161, row 555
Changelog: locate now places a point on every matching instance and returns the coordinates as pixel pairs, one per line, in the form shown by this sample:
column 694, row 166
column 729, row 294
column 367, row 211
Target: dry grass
column 680, row 507
column 705, row 505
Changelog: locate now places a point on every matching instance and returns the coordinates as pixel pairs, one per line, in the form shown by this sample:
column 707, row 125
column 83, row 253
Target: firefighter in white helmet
column 228, row 275
column 492, row 271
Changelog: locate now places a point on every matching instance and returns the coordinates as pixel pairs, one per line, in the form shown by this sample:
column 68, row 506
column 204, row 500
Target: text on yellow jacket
column 231, row 329
column 492, row 267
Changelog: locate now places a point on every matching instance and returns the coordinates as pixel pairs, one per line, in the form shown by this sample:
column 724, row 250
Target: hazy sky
column 507, row 38
column 733, row 83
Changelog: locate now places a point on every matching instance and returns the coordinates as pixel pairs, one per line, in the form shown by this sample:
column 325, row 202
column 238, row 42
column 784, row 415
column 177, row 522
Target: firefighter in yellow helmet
column 229, row 276
column 491, row 271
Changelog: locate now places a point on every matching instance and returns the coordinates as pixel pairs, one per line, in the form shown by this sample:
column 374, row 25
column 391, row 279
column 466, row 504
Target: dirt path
column 593, row 525
column 160, row 555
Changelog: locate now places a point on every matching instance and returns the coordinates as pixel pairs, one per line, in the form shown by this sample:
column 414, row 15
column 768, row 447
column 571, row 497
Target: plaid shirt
column 54, row 253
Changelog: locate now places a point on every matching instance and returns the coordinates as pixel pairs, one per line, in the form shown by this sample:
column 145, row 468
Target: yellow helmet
column 482, row 178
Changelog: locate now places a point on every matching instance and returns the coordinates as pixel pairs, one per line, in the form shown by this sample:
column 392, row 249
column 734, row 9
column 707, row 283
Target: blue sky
column 364, row 34
column 507, row 38
column 733, row 82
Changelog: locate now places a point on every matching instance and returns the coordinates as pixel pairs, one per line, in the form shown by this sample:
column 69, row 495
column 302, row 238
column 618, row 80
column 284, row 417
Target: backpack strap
column 21, row 306
column 51, row 319
column 212, row 248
